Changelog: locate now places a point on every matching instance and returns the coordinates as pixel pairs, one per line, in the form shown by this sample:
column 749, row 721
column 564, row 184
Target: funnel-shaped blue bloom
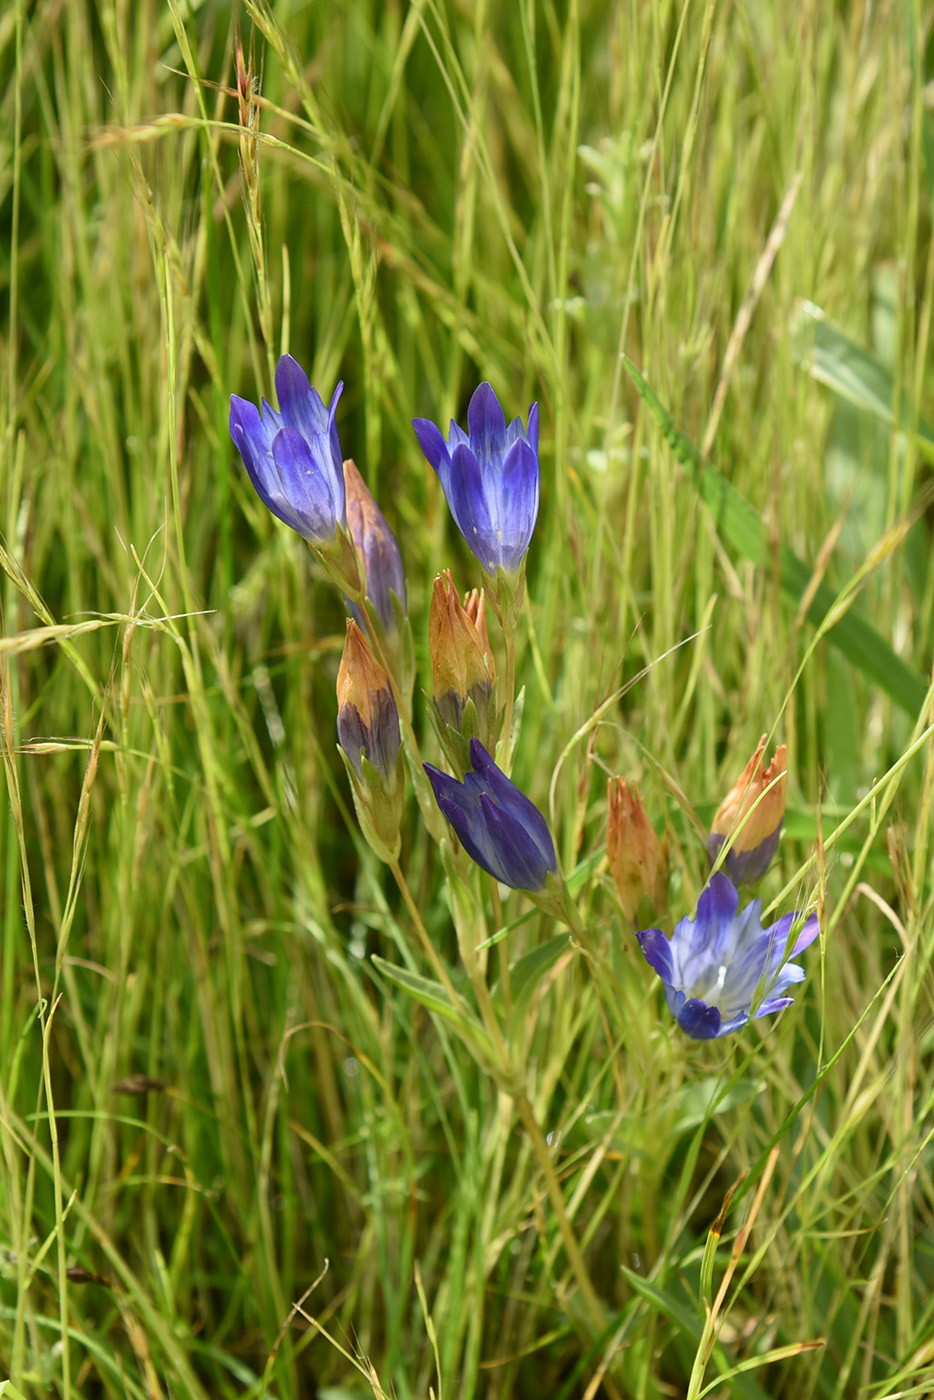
column 294, row 456
column 715, row 966
column 499, row 827
column 490, row 477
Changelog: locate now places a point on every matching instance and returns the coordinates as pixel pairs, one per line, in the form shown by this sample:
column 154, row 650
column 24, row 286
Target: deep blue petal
column 521, row 808
column 657, row 950
column 733, row 1023
column 532, row 433
column 456, row 435
column 304, row 485
column 466, row 490
column 486, row 424
column 431, row 442
column 807, row 935
column 301, row 405
column 771, row 1005
column 443, row 785
column 245, row 417
column 515, row 430
column 263, row 475
column 519, row 493
column 698, row 1020
column 337, row 456
column 517, row 855
column 717, row 905
column 705, row 944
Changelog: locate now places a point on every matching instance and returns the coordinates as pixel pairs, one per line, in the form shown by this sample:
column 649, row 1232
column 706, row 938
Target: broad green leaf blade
column 529, row 970
column 739, row 524
column 853, row 373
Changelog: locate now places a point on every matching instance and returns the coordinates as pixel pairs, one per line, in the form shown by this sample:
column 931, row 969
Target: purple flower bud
column 751, row 816
column 376, row 546
column 714, row 966
column 490, row 478
column 499, row 827
column 367, row 717
column 294, row 457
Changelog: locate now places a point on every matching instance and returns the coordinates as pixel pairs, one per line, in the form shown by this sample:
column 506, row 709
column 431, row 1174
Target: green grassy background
column 211, row 1099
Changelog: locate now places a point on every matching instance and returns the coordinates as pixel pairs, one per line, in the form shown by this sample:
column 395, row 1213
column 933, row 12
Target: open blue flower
column 294, row 456
column 490, row 478
column 714, row 966
column 499, row 827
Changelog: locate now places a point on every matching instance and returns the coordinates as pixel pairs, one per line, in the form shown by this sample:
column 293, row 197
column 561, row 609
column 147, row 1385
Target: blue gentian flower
column 715, row 965
column 499, row 827
column 294, row 456
column 490, row 478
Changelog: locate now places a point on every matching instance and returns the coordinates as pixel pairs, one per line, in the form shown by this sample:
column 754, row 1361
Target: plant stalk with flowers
column 719, row 969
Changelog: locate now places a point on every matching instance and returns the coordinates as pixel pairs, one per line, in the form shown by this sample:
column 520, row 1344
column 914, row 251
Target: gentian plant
column 719, row 969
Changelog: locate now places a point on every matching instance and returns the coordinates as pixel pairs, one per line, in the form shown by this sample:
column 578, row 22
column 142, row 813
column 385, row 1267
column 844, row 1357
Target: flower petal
column 486, row 423
column 657, row 950
column 532, row 432
column 515, row 853
column 247, row 432
column 698, row 1020
column 519, row 495
column 466, row 490
column 514, row 801
column 498, row 834
column 431, row 442
column 301, row 405
column 304, row 486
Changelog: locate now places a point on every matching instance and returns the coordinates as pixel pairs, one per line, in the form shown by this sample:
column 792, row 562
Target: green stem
column 592, row 1303
column 428, row 947
column 509, row 637
column 431, row 816
column 505, row 981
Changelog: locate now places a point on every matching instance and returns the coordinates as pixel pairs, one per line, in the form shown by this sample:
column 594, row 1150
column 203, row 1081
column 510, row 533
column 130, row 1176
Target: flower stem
column 505, row 981
column 592, row 1303
column 431, row 816
column 509, row 637
column 429, row 949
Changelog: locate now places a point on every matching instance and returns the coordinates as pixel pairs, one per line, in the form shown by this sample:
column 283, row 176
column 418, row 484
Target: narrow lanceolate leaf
column 429, row 993
column 740, row 525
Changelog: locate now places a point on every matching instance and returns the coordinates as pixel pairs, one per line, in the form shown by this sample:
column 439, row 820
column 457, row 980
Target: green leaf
column 853, row 373
column 529, row 970
column 690, row 1326
column 429, row 993
column 741, row 526
column 699, row 1101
